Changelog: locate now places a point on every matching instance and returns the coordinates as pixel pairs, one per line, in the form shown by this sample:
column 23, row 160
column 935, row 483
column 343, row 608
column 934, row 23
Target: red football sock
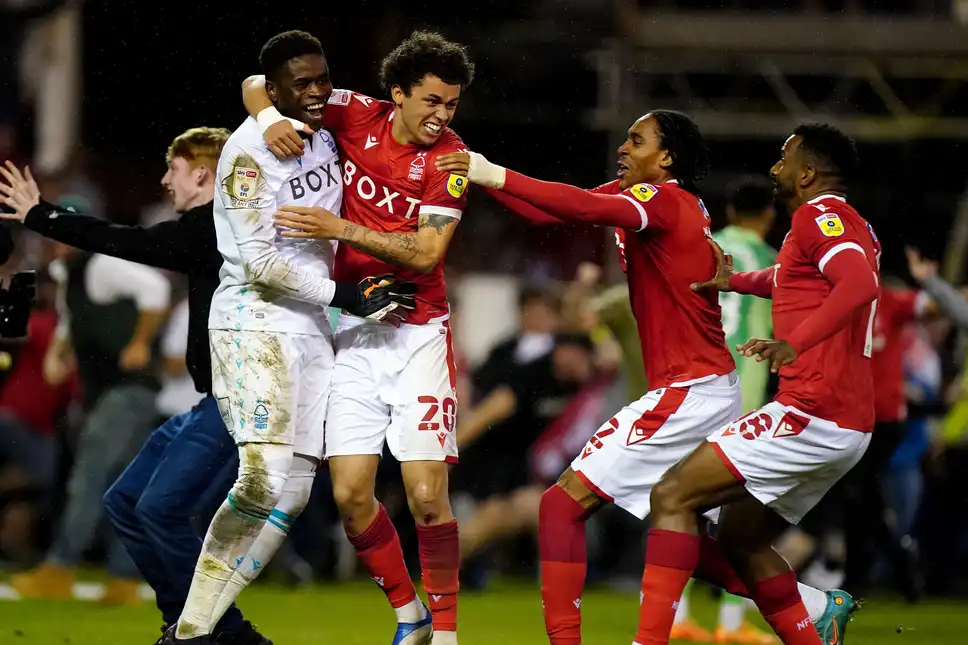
column 561, row 547
column 670, row 559
column 378, row 547
column 439, row 563
column 715, row 569
column 778, row 599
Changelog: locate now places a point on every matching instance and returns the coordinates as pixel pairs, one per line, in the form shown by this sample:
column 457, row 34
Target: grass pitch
column 507, row 613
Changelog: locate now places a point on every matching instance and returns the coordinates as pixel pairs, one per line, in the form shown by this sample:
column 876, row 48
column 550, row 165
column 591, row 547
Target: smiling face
column 302, row 89
column 183, row 182
column 642, row 159
column 424, row 113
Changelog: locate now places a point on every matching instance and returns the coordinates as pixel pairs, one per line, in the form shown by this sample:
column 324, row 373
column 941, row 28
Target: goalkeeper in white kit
column 270, row 337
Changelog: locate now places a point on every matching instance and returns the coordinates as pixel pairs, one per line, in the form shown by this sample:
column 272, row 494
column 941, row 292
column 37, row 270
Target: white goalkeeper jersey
column 270, row 282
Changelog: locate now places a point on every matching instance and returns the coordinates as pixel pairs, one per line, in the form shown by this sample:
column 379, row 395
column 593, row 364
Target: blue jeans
column 185, row 468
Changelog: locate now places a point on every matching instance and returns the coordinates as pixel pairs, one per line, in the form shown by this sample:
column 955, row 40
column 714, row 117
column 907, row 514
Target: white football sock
column 235, row 527
column 444, row 638
column 731, row 612
column 412, row 612
column 814, row 600
column 295, row 495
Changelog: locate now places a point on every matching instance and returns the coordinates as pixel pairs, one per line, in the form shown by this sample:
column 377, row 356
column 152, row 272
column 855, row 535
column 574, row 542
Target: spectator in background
column 866, row 524
column 539, row 317
column 113, row 310
column 495, row 438
column 30, row 411
column 40, row 41
column 178, row 394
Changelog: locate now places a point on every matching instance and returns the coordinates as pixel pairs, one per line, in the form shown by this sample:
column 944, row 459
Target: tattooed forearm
column 438, row 222
column 398, row 248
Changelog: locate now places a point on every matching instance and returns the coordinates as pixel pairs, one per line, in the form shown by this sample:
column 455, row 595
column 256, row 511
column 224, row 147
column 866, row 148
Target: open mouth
column 433, row 129
column 622, row 170
column 315, row 110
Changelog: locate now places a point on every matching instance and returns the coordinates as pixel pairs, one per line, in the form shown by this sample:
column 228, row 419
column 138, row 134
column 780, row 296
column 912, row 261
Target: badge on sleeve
column 456, row 185
column 243, row 183
column 830, row 225
column 643, row 192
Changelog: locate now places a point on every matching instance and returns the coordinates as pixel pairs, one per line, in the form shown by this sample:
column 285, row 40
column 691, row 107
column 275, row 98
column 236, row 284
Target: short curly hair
column 830, row 146
column 423, row 53
column 283, row 47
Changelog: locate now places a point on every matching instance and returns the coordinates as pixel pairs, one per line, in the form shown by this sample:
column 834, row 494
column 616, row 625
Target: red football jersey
column 680, row 330
column 895, row 309
column 832, row 380
column 386, row 186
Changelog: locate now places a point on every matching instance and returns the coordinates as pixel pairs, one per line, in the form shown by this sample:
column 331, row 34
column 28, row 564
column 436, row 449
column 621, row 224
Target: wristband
column 268, row 117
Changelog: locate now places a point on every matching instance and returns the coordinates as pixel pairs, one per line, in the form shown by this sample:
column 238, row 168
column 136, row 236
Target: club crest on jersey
column 830, row 225
column 417, row 167
column 643, row 192
column 456, row 185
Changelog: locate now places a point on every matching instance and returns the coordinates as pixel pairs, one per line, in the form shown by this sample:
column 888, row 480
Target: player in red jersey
column 661, row 232
column 661, row 228
column 772, row 466
column 394, row 383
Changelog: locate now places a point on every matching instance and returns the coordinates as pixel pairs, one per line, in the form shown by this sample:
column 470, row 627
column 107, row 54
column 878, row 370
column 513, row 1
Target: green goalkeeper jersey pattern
column 746, row 317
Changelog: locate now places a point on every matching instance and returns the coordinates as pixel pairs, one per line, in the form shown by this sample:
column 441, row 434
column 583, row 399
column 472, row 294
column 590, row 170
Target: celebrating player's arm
column 247, row 192
column 421, row 250
column 562, row 201
column 728, row 280
column 178, row 245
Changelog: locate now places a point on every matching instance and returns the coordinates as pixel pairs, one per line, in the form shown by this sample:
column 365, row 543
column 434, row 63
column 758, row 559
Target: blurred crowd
column 526, row 409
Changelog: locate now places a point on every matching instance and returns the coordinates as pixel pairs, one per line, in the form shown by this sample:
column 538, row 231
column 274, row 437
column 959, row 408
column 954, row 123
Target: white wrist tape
column 485, row 173
column 268, row 117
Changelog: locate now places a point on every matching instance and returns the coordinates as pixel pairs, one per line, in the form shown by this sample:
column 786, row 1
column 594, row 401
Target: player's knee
column 263, row 471
column 353, row 496
column 299, row 487
column 428, row 501
column 257, row 493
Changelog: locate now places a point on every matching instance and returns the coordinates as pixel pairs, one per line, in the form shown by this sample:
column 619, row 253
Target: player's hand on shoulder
column 18, row 192
column 456, row 162
column 385, row 298
column 778, row 352
column 283, row 140
column 724, row 269
column 308, row 222
column 474, row 166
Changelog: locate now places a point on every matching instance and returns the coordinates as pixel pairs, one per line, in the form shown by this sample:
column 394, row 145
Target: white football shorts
column 632, row 450
column 788, row 459
column 272, row 387
column 393, row 384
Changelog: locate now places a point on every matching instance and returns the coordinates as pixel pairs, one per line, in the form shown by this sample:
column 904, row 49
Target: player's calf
column 295, row 496
column 439, row 542
column 263, row 471
column 562, row 513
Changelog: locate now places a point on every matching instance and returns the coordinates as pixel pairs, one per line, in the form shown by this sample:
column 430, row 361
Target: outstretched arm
column 562, row 201
column 522, row 208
